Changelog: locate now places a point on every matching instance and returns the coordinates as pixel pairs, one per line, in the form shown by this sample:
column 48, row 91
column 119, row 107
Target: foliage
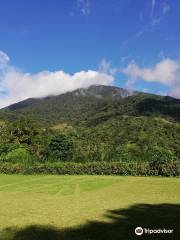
column 98, row 124
column 92, row 168
column 19, row 155
column 60, row 148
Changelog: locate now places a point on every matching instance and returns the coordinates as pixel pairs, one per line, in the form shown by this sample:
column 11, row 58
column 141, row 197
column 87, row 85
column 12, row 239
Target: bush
column 16, row 154
column 93, row 168
column 161, row 161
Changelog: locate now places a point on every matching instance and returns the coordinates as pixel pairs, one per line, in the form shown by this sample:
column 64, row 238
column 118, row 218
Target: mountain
column 93, row 105
column 105, row 123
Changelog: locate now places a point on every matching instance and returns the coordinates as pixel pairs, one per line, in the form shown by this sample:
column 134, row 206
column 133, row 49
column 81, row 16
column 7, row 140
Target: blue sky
column 81, row 35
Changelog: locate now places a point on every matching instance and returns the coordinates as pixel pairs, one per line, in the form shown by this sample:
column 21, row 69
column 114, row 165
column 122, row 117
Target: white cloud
column 166, row 72
column 4, row 60
column 84, row 6
column 163, row 72
column 20, row 85
column 105, row 67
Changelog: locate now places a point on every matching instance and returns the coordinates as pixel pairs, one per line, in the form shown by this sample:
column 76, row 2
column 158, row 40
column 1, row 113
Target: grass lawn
column 87, row 207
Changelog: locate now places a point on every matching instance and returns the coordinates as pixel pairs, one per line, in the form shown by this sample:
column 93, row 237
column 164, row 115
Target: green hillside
column 101, row 123
column 95, row 103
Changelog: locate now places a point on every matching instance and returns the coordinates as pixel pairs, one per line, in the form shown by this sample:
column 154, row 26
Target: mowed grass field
column 54, row 207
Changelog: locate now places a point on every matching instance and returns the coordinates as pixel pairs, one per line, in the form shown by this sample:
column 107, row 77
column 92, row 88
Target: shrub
column 93, row 168
column 17, row 154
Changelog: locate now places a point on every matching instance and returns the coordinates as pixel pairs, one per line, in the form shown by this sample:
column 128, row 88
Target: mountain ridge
column 89, row 91
column 97, row 101
column 96, row 90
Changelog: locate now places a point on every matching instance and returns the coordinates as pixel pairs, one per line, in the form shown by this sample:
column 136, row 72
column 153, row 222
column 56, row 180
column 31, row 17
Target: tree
column 60, row 147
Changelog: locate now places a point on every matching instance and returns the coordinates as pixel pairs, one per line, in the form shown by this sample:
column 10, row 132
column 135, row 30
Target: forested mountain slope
column 100, row 123
column 93, row 105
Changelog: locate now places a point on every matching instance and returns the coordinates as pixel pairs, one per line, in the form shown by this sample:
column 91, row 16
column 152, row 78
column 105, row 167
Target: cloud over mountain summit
column 16, row 85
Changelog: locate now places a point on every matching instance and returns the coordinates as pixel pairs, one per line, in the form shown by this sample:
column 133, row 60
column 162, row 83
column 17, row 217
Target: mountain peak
column 103, row 91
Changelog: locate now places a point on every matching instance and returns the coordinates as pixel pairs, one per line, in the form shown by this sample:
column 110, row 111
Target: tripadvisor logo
column 139, row 231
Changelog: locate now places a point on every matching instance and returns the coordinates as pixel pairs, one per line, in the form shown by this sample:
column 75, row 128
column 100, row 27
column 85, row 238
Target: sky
column 54, row 46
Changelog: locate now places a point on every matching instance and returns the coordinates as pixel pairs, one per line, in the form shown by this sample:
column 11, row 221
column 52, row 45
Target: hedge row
column 93, row 168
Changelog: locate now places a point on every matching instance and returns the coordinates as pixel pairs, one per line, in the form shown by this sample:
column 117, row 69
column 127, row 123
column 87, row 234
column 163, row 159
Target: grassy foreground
column 87, row 207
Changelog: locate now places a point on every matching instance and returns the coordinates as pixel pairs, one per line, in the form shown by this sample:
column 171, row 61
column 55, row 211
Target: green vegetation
column 60, row 148
column 86, row 207
column 109, row 148
column 99, row 124
column 170, row 168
